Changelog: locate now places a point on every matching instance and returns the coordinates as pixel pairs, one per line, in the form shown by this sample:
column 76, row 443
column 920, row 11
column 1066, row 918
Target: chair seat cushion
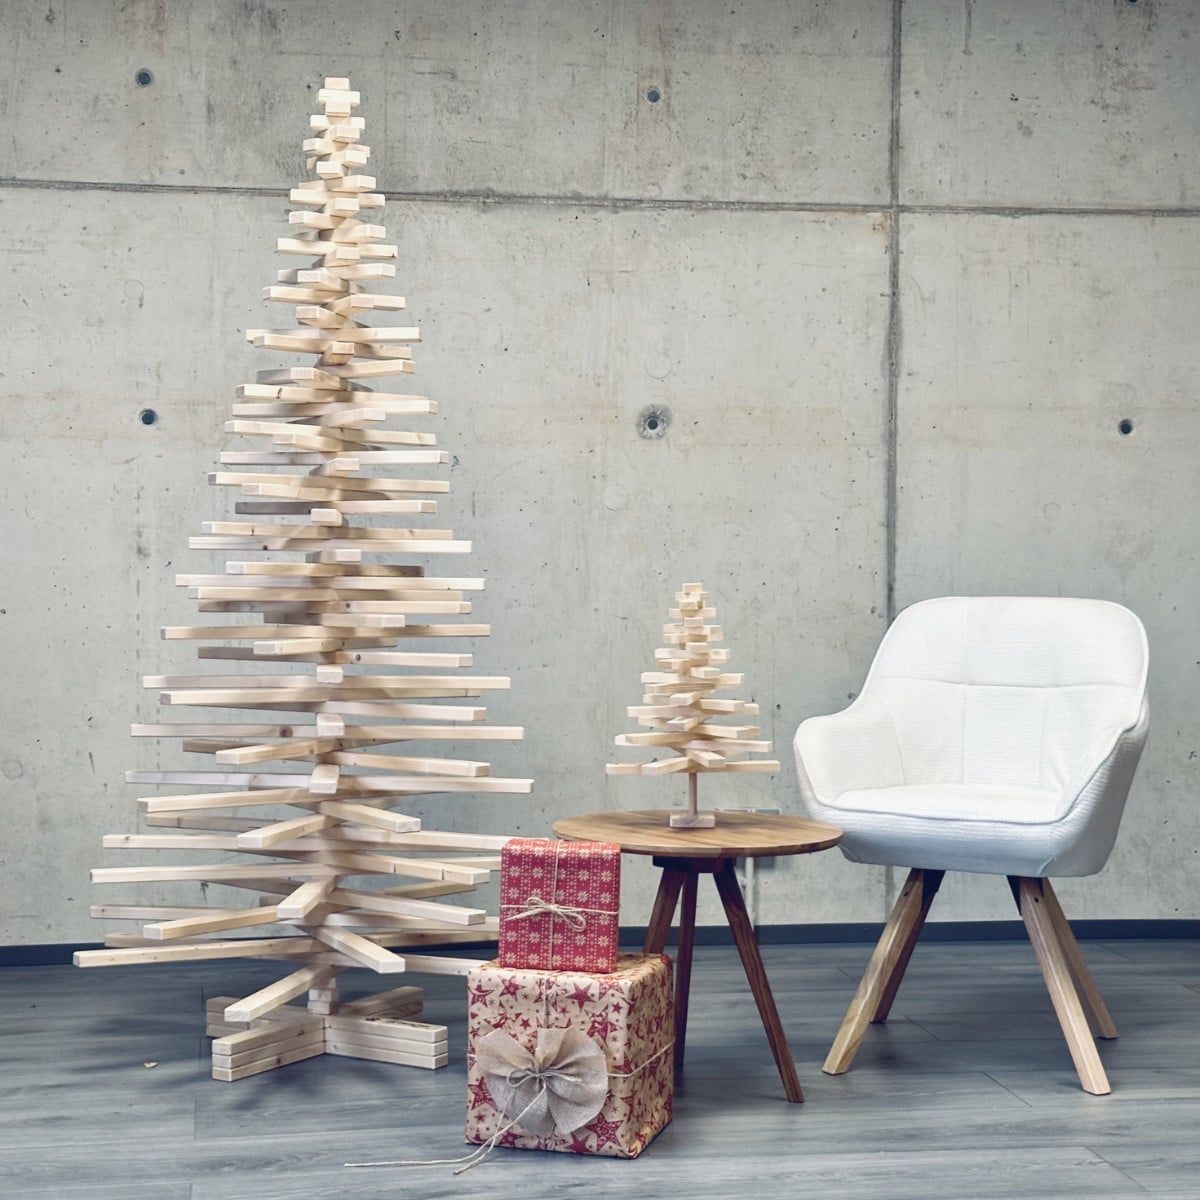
column 995, row 830
column 1005, row 804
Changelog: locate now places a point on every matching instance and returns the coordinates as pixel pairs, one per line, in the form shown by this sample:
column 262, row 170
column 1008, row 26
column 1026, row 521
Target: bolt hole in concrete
column 144, row 78
column 653, row 420
column 1125, row 426
column 148, row 416
column 653, row 95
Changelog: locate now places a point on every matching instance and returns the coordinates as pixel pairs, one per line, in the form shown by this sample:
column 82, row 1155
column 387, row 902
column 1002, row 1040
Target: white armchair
column 997, row 735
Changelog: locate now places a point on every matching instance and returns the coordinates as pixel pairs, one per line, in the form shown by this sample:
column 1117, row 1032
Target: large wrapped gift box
column 547, row 1048
column 559, row 904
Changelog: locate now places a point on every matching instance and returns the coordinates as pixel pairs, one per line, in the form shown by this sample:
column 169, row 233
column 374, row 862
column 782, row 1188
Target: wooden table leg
column 683, row 964
column 676, row 876
column 663, row 914
column 747, row 944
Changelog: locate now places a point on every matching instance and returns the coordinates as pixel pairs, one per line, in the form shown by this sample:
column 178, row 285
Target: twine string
column 536, row 905
column 469, row 1160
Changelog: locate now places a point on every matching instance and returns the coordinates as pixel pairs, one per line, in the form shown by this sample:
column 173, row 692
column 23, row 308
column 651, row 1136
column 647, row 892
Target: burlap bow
column 559, row 1086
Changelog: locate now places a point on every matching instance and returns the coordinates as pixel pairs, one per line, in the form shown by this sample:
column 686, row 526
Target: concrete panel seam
column 528, row 200
column 830, row 208
column 892, row 389
column 1029, row 210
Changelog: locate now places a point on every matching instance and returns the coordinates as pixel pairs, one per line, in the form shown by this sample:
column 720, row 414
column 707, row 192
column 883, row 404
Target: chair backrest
column 1009, row 689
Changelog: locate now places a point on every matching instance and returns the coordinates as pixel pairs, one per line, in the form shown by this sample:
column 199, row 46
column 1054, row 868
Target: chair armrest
column 855, row 748
column 1112, row 747
column 1093, row 816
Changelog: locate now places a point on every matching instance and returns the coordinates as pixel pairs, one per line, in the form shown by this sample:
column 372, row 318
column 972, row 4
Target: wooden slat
column 193, row 952
column 273, row 792
column 308, row 896
column 269, row 998
column 400, row 1002
column 410, row 906
column 270, row 1061
column 362, row 950
column 216, row 872
column 279, row 833
column 393, row 822
column 213, row 922
column 347, row 1049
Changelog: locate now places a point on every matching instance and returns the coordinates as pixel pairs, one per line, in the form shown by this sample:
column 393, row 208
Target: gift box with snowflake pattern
column 559, row 904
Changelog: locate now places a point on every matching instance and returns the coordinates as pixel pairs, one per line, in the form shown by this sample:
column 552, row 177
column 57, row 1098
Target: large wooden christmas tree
column 330, row 608
column 683, row 715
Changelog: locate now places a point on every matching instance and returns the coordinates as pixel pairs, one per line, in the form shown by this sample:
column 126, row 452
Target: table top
column 735, row 835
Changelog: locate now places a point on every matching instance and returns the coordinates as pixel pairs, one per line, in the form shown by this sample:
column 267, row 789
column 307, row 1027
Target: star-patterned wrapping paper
column 580, row 883
column 629, row 1012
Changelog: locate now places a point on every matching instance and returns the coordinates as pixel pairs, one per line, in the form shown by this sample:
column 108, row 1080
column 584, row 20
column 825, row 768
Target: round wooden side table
column 684, row 855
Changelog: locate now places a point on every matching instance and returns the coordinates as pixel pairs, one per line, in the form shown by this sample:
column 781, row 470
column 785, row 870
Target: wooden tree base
column 690, row 820
column 379, row 1028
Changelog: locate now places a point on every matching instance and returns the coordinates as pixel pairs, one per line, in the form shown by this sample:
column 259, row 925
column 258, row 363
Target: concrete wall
column 897, row 271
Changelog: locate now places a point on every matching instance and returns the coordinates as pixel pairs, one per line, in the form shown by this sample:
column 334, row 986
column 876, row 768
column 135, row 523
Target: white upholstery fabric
column 993, row 734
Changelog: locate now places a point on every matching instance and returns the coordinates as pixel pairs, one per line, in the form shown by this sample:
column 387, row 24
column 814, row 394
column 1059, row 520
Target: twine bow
column 559, row 1086
column 576, row 918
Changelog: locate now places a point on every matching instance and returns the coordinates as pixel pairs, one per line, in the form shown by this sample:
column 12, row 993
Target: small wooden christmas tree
column 681, row 712
column 316, row 636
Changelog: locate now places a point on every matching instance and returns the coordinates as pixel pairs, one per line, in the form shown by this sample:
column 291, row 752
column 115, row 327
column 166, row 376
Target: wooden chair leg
column 1056, row 970
column 928, row 885
column 873, row 999
column 1099, row 1019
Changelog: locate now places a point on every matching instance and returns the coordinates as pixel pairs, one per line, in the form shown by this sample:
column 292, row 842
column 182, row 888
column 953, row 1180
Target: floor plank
column 968, row 1090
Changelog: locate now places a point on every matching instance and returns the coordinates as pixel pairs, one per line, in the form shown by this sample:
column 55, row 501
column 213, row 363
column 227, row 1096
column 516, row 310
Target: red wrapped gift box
column 559, row 904
column 625, row 1018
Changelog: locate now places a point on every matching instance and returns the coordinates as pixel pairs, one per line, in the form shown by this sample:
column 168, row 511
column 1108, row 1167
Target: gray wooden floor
column 966, row 1092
